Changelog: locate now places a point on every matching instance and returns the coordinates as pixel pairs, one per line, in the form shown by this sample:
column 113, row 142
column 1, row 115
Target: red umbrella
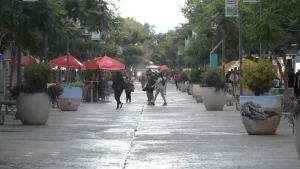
column 24, row 61
column 62, row 62
column 164, row 67
column 105, row 63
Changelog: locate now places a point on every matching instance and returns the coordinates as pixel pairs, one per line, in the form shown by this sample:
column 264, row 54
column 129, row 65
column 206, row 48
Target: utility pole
column 46, row 39
column 19, row 47
column 223, row 53
column 68, row 61
column 240, row 45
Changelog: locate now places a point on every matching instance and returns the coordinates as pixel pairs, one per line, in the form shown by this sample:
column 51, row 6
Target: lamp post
column 19, row 43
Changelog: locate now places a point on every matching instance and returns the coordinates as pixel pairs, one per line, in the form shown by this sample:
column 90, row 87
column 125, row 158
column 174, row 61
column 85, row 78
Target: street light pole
column 223, row 53
column 240, row 45
column 46, row 39
column 68, row 61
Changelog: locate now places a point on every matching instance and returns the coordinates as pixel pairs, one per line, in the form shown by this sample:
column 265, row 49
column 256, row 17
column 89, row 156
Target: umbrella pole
column 68, row 61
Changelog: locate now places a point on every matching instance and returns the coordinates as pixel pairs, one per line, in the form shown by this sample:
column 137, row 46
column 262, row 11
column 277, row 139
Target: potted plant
column 213, row 89
column 183, row 78
column 196, row 80
column 33, row 103
column 71, row 97
column 260, row 114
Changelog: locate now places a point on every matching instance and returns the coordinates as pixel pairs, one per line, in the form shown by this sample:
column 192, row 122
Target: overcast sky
column 164, row 14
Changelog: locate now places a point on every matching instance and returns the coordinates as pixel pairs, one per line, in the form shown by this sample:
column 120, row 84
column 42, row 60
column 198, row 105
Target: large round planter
column 190, row 89
column 213, row 100
column 297, row 133
column 33, row 109
column 261, row 114
column 182, row 87
column 197, row 93
column 70, row 99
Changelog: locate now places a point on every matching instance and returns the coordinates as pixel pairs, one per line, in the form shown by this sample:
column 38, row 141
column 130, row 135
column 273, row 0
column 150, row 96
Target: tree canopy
column 275, row 26
column 75, row 20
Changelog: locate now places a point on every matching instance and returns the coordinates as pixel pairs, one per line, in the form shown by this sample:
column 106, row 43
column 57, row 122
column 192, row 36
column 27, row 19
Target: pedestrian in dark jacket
column 128, row 89
column 118, row 86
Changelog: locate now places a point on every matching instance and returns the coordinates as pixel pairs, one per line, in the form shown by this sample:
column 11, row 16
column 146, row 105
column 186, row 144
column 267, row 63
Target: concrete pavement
column 178, row 136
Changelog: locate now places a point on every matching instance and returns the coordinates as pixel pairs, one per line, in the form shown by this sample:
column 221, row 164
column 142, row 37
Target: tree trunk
column 13, row 53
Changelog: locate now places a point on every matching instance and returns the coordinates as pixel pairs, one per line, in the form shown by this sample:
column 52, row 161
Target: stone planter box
column 33, row 109
column 182, row 87
column 190, row 89
column 70, row 99
column 261, row 114
column 280, row 91
column 197, row 93
column 213, row 100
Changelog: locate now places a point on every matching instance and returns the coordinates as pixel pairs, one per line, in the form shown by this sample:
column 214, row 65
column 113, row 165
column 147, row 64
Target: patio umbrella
column 152, row 67
column 163, row 68
column 105, row 63
column 62, row 62
column 25, row 61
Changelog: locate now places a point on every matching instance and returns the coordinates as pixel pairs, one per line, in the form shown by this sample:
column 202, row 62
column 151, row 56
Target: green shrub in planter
column 213, row 78
column 259, row 77
column 195, row 75
column 36, row 78
column 73, row 84
column 184, row 76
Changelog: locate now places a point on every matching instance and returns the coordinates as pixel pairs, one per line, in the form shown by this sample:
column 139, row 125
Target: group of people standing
column 155, row 81
column 151, row 82
column 120, row 84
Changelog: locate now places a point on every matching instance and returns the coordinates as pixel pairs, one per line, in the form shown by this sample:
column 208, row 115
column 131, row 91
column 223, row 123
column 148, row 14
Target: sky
column 163, row 14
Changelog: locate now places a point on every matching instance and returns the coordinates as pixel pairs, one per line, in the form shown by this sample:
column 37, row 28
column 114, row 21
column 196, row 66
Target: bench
column 9, row 105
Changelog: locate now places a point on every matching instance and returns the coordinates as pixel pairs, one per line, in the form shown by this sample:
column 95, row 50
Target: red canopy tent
column 62, row 62
column 105, row 63
column 26, row 61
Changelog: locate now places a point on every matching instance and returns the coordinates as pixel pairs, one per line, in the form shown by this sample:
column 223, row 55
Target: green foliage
column 36, row 78
column 195, row 75
column 260, row 77
column 213, row 78
column 184, row 76
column 73, row 84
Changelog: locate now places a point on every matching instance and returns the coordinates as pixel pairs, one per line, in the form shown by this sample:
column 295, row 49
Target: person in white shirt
column 160, row 88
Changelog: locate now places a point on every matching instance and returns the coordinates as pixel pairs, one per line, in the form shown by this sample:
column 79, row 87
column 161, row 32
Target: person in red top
column 176, row 78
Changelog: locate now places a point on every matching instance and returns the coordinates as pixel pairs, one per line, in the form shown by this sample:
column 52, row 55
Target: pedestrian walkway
column 181, row 135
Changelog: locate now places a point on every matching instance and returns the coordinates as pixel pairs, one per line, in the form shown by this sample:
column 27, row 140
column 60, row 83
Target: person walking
column 160, row 88
column 176, row 78
column 118, row 86
column 165, row 86
column 128, row 89
column 149, row 87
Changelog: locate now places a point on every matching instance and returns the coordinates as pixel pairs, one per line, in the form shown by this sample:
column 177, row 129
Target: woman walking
column 128, row 89
column 160, row 88
column 118, row 86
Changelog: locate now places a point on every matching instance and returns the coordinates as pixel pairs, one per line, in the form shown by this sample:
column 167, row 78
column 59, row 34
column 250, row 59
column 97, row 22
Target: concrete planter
column 197, row 93
column 286, row 96
column 182, row 87
column 190, row 89
column 261, row 114
column 297, row 133
column 33, row 109
column 246, row 91
column 213, row 100
column 70, row 99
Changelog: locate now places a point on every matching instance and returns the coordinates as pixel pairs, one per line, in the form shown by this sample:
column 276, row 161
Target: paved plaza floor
column 181, row 135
